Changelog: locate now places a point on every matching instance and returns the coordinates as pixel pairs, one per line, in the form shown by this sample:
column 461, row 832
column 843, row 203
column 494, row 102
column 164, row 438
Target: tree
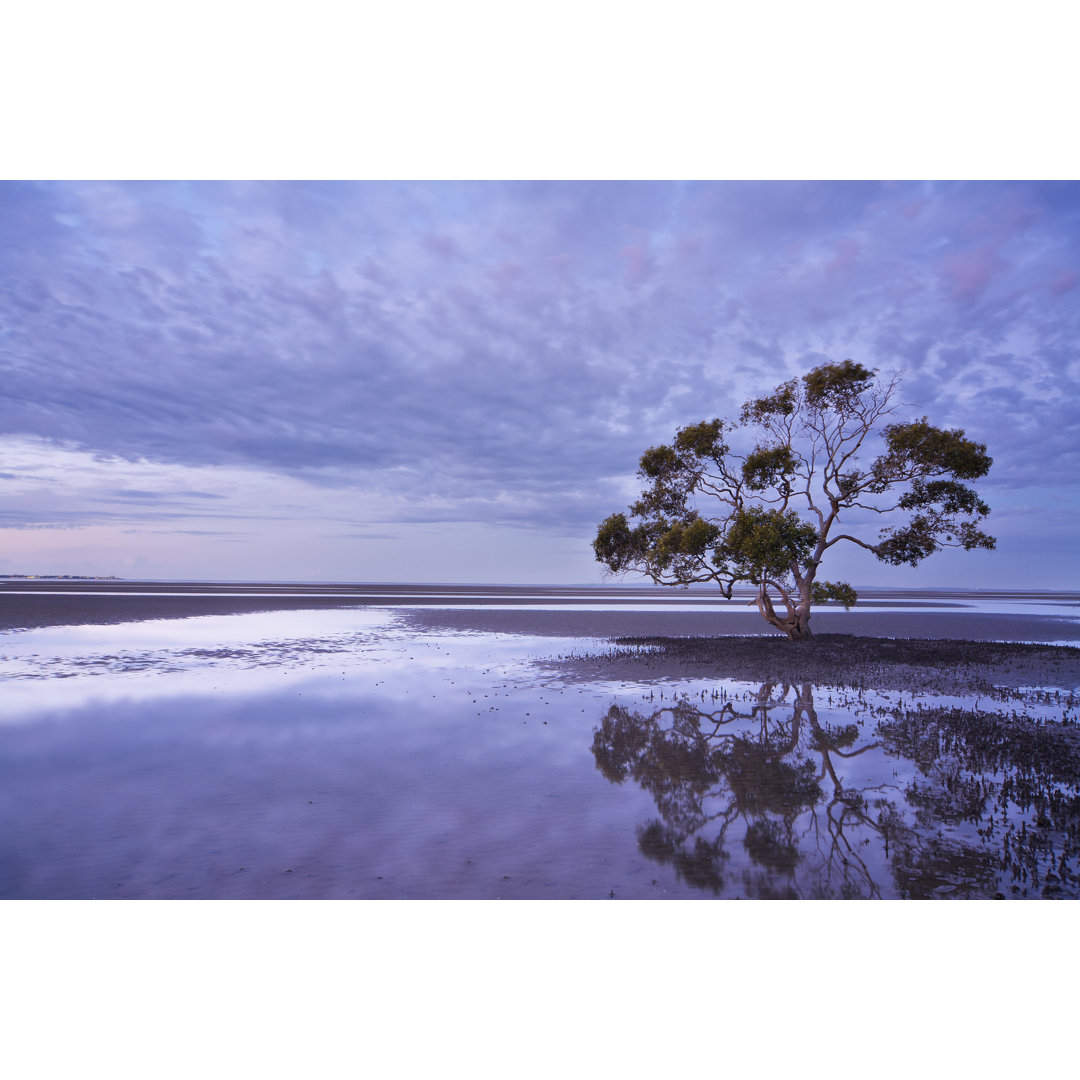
column 779, row 506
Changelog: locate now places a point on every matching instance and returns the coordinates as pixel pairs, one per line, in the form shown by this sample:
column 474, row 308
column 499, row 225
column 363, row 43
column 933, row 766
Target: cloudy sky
column 379, row 381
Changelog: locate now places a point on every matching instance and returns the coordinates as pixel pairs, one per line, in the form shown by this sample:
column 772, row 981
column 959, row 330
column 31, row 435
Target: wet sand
column 35, row 612
column 965, row 626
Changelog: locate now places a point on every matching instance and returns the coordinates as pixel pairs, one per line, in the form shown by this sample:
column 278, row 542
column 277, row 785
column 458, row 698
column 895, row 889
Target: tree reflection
column 768, row 776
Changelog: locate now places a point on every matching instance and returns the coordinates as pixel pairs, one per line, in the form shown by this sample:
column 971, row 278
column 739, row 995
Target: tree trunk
column 796, row 623
column 801, row 630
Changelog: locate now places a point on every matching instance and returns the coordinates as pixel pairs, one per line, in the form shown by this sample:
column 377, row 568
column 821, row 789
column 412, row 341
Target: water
column 352, row 754
column 325, row 754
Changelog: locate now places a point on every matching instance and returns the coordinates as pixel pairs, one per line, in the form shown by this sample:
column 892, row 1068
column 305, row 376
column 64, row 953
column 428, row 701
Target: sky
column 453, row 381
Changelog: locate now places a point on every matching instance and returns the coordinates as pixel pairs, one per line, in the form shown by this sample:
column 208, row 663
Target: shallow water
column 343, row 753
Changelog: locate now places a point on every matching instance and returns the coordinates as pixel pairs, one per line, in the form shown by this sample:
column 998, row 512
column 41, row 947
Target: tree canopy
column 768, row 516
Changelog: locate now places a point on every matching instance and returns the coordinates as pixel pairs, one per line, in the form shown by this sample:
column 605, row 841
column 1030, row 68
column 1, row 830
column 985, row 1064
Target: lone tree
column 777, row 510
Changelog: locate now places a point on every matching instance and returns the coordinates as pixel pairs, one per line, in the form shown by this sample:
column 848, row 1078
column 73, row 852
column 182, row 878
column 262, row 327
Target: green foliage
column 692, row 537
column 821, row 592
column 971, row 538
column 924, row 535
column 848, row 484
column 617, row 545
column 769, row 466
column 836, row 386
column 918, row 449
column 764, row 544
column 908, row 545
column 693, row 446
column 782, row 402
column 704, row 440
column 949, row 496
column 673, row 547
column 660, row 463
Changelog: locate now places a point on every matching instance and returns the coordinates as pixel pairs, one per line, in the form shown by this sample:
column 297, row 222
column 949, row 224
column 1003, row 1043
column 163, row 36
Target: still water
column 347, row 754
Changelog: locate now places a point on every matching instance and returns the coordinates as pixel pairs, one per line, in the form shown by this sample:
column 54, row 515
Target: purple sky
column 454, row 381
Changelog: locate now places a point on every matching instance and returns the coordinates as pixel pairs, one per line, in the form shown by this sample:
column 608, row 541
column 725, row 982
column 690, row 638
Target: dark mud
column 945, row 665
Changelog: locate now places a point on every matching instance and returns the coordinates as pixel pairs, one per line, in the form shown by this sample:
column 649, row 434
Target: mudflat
column 549, row 611
column 996, row 670
column 615, row 623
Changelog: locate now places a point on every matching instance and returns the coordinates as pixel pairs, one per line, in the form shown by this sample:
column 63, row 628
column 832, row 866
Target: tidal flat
column 448, row 742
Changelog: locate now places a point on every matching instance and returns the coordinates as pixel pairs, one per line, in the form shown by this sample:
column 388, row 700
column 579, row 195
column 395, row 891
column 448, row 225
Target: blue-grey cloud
column 504, row 351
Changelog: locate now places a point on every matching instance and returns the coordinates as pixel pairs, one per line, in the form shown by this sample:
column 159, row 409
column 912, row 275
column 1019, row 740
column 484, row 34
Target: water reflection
column 762, row 798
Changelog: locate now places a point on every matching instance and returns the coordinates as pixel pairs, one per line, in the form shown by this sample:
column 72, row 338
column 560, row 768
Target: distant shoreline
column 60, row 577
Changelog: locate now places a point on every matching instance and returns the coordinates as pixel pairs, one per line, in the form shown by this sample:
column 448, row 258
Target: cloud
column 503, row 352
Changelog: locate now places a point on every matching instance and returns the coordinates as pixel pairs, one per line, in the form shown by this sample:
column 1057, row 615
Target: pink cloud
column 442, row 245
column 912, row 209
column 967, row 273
column 1065, row 282
column 638, row 263
column 506, row 275
column 847, row 251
